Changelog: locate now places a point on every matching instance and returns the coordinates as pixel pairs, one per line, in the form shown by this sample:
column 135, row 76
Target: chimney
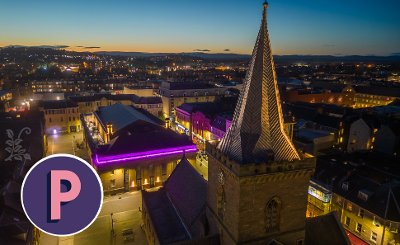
column 109, row 131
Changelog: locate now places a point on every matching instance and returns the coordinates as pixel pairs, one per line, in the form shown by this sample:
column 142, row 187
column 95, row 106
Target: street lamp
column 112, row 225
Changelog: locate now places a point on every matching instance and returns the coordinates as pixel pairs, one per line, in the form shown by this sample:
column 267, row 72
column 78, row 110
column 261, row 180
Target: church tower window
column 272, row 211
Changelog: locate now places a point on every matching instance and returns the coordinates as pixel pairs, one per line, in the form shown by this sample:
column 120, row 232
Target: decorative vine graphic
column 14, row 148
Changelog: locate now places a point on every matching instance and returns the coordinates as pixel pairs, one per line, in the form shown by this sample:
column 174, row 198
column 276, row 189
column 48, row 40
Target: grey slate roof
column 143, row 136
column 177, row 208
column 325, row 229
column 258, row 120
column 167, row 224
column 188, row 191
column 121, row 116
column 146, row 100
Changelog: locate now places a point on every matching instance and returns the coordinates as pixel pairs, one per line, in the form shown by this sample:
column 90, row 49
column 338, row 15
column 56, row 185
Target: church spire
column 257, row 126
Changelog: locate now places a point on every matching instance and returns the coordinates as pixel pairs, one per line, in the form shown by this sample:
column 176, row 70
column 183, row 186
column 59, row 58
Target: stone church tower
column 257, row 182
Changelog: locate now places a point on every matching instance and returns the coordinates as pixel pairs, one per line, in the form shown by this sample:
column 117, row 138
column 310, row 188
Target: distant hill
column 292, row 58
column 230, row 56
column 198, row 54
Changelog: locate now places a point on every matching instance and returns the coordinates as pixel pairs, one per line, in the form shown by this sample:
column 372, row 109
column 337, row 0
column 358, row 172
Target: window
column 73, row 118
column 361, row 214
column 393, row 227
column 339, row 200
column 272, row 213
column 112, row 172
column 358, row 227
column 345, row 186
column 62, row 119
column 349, row 206
column 73, row 110
column 221, row 202
column 46, row 112
column 347, row 221
column 112, row 182
column 49, row 119
column 300, row 242
column 69, row 118
column 363, row 195
column 374, row 236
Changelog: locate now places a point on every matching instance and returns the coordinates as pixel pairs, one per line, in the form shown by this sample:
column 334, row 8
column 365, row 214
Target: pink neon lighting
column 57, row 196
column 147, row 154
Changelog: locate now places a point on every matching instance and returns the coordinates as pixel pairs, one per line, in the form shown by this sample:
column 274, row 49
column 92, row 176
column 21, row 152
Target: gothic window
column 272, row 212
column 221, row 202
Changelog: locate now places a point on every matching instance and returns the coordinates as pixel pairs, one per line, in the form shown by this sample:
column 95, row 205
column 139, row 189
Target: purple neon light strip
column 143, row 156
column 185, row 148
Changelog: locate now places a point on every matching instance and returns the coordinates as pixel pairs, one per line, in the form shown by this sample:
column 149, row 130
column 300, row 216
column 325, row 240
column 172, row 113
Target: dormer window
column 364, row 194
column 345, row 186
column 393, row 227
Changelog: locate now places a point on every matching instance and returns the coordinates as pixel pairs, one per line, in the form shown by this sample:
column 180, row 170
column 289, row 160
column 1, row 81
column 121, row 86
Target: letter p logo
column 62, row 195
column 55, row 197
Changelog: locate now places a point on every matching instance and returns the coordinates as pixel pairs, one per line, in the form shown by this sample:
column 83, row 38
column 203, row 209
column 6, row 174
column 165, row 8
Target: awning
column 354, row 239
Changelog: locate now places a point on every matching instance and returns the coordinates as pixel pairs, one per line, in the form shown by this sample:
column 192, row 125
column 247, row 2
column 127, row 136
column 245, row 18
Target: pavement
column 66, row 143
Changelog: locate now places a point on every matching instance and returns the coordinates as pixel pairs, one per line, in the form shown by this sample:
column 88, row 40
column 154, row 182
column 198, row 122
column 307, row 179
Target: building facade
column 61, row 116
column 131, row 149
column 174, row 94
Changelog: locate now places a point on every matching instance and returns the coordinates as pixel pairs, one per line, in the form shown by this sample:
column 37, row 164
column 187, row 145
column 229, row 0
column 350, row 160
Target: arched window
column 196, row 94
column 206, row 94
column 221, row 202
column 272, row 214
column 217, row 92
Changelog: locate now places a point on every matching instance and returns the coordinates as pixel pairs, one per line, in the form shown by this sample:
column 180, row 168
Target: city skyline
column 317, row 28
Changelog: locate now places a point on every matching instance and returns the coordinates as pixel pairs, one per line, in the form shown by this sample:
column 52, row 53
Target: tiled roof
column 325, row 229
column 143, row 136
column 167, row 224
column 121, row 116
column 146, row 100
column 58, row 104
column 188, row 192
column 371, row 171
column 375, row 90
column 257, row 125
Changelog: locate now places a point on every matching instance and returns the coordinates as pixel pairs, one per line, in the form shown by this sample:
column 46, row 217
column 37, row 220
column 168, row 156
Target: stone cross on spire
column 257, row 126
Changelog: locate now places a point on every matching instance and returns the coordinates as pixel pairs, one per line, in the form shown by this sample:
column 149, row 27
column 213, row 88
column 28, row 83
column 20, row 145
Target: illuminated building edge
column 146, row 154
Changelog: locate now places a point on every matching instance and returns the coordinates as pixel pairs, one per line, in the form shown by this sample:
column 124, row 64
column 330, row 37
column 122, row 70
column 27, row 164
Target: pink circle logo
column 62, row 195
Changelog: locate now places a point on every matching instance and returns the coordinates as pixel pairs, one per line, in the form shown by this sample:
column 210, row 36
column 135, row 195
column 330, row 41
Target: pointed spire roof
column 257, row 124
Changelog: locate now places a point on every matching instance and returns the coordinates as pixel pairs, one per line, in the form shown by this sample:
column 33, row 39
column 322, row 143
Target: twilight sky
column 341, row 27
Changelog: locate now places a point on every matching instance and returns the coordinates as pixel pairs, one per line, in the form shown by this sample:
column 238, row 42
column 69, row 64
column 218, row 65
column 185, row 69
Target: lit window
column 349, row 206
column 339, row 200
column 112, row 183
column 374, row 236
